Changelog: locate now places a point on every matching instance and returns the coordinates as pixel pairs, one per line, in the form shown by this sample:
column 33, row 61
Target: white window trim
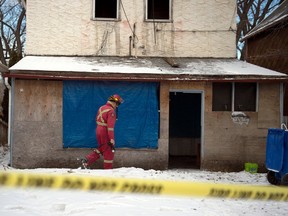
column 105, row 19
column 158, row 20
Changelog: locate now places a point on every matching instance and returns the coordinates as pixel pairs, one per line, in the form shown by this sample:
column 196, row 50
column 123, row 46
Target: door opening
column 185, row 130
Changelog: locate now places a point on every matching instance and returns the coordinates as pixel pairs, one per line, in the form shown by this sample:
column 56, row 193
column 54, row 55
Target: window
column 158, row 10
column 222, row 97
column 245, row 97
column 105, row 9
column 234, row 97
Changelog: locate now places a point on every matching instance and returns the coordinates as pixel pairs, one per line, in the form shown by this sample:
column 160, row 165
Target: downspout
column 9, row 116
column 130, row 44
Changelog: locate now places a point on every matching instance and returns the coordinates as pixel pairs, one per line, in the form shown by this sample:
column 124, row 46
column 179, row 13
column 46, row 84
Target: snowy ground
column 59, row 202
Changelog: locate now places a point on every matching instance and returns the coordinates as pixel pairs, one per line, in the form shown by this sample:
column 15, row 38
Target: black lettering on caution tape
column 276, row 196
column 69, row 183
column 141, row 188
column 102, row 185
column 247, row 194
column 20, row 180
column 40, row 182
column 222, row 193
column 3, row 179
column 242, row 194
column 35, row 181
column 286, row 198
column 260, row 195
column 29, row 181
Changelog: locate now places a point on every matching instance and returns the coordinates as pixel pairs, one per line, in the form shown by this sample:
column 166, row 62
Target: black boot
column 84, row 162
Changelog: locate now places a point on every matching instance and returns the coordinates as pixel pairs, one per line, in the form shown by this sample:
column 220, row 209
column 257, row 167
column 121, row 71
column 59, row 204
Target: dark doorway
column 185, row 130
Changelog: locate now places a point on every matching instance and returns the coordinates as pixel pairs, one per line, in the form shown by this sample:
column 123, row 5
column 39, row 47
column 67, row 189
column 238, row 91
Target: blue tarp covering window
column 137, row 124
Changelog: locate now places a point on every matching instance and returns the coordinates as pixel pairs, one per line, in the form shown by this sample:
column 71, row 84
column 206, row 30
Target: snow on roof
column 127, row 65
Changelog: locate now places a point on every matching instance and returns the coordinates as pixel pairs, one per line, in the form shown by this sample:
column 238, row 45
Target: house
column 267, row 45
column 3, row 123
column 188, row 101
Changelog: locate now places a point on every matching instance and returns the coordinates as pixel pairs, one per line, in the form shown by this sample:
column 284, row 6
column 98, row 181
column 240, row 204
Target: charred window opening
column 222, row 97
column 158, row 9
column 245, row 97
column 105, row 9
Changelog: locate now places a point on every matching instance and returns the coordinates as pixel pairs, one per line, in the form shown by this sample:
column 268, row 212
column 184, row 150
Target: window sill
column 159, row 21
column 106, row 19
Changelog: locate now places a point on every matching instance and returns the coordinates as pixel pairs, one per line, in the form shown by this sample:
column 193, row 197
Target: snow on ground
column 30, row 202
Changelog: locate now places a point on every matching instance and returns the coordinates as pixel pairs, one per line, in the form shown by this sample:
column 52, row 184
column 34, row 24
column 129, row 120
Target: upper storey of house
column 143, row 28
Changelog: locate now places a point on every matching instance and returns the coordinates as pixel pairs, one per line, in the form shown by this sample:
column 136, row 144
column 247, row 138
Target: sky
column 28, row 201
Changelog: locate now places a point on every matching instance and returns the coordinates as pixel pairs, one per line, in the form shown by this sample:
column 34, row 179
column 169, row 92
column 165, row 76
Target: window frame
column 233, row 99
column 104, row 18
column 229, row 94
column 158, row 20
column 234, row 95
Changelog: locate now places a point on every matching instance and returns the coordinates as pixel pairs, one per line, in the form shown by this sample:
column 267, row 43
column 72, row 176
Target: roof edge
column 151, row 78
column 264, row 28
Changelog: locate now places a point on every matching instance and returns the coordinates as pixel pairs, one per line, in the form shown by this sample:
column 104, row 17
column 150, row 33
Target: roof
column 126, row 68
column 280, row 14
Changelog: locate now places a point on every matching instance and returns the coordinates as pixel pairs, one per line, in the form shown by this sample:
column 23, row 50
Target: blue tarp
column 138, row 117
column 275, row 149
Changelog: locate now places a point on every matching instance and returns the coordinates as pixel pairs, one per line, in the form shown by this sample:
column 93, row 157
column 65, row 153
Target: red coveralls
column 105, row 119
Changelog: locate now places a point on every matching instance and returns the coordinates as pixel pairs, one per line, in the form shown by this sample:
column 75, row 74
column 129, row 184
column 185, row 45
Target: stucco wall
column 199, row 28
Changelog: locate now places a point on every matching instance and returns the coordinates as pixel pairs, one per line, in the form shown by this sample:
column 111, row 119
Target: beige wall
column 37, row 133
column 37, row 130
column 227, row 145
column 200, row 28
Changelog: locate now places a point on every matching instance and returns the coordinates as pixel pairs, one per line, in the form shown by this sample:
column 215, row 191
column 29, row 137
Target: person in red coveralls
column 105, row 120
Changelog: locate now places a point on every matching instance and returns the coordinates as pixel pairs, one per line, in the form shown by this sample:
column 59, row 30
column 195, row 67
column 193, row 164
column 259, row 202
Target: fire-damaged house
column 188, row 102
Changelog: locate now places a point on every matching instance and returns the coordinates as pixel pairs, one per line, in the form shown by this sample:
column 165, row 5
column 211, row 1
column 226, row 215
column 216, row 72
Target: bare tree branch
column 18, row 30
column 250, row 13
column 13, row 29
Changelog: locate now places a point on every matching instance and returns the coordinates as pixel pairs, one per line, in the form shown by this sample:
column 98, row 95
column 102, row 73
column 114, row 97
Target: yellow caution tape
column 143, row 186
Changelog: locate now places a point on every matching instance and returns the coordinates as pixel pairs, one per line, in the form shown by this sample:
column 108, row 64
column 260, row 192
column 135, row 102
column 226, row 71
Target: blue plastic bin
column 277, row 156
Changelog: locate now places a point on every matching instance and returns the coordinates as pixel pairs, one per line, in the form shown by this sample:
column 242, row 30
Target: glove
column 111, row 146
